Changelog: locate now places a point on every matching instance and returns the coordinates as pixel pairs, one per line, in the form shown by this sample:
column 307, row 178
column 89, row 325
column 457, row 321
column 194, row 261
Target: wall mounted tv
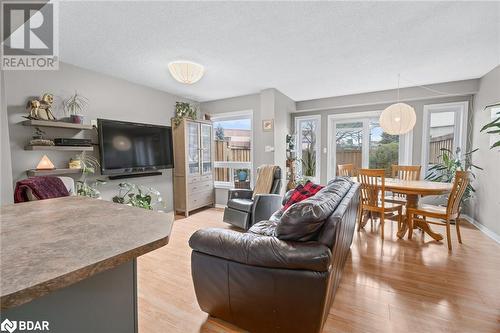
column 128, row 148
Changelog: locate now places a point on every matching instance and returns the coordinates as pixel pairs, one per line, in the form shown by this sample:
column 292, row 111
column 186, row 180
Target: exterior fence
column 224, row 152
column 438, row 143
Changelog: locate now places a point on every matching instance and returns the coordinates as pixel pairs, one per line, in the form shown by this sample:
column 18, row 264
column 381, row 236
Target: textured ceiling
column 305, row 49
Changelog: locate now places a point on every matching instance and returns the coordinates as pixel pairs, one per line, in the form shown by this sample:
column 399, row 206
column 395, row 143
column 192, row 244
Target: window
column 233, row 149
column 444, row 128
column 358, row 139
column 308, row 131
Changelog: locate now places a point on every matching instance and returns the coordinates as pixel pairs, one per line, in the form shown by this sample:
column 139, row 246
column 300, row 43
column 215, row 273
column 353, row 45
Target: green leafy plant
column 88, row 165
column 493, row 127
column 89, row 190
column 75, row 104
column 450, row 162
column 137, row 196
column 184, row 110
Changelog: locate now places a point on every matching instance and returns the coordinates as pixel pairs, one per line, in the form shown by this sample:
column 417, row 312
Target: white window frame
column 461, row 110
column 298, row 138
column 244, row 114
column 405, row 140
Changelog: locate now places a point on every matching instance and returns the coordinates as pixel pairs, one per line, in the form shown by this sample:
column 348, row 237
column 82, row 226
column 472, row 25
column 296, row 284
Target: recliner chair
column 243, row 210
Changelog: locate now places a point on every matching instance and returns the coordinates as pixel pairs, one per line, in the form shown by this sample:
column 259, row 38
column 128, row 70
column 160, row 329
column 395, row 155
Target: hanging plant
column 493, row 127
column 184, row 110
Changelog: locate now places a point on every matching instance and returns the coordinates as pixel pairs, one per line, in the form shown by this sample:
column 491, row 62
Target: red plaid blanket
column 302, row 192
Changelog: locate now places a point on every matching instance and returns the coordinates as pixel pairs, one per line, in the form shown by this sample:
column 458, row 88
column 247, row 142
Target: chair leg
column 457, row 225
column 448, row 234
column 360, row 217
column 410, row 226
column 382, row 225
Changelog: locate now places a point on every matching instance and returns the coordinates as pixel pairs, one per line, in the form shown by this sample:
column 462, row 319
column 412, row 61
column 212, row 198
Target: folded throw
column 265, row 179
column 39, row 188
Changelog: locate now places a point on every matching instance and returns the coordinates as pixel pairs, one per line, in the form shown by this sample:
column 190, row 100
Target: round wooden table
column 413, row 189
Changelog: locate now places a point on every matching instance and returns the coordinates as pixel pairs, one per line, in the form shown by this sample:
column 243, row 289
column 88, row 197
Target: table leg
column 412, row 202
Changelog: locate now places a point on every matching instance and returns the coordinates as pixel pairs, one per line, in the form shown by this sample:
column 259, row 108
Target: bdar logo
column 8, row 326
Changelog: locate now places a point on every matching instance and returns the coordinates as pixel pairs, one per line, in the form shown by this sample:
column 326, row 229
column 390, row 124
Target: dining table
column 413, row 190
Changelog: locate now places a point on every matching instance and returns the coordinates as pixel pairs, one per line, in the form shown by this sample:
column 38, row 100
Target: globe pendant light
column 186, row 72
column 398, row 118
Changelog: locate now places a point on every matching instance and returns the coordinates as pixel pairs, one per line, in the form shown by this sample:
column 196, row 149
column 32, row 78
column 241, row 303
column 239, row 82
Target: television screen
column 131, row 147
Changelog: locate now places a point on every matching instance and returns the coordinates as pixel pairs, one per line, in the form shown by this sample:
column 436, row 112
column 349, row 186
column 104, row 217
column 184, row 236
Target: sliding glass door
column 358, row 139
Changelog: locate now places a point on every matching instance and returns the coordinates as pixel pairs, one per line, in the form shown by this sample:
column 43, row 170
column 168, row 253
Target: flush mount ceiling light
column 186, row 72
column 398, row 118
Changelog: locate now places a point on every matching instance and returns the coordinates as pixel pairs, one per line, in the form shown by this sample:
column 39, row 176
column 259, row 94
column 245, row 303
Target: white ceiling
column 306, row 50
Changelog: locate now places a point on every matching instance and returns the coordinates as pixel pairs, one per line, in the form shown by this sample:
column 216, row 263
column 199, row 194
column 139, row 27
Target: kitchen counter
column 51, row 244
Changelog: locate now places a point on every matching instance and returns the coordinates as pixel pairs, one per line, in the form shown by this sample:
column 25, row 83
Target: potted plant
column 242, row 175
column 493, row 127
column 450, row 162
column 138, row 196
column 88, row 165
column 75, row 106
column 184, row 110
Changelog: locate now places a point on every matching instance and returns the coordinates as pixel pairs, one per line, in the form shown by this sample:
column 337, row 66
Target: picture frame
column 267, row 125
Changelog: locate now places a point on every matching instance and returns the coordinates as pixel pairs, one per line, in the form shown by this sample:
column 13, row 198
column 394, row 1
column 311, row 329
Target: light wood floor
column 390, row 286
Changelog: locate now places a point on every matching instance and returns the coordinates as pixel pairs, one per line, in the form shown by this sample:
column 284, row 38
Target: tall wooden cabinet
column 193, row 165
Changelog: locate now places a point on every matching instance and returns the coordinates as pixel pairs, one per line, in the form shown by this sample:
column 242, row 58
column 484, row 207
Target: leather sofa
column 243, row 210
column 282, row 274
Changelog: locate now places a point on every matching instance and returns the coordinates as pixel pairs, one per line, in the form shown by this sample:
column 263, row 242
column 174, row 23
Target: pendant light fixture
column 186, row 72
column 398, row 118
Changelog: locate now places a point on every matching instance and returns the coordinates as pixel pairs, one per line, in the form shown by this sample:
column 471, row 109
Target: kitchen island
column 71, row 262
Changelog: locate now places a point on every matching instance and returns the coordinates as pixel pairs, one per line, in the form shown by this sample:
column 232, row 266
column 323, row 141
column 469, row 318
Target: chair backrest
column 346, row 170
column 459, row 186
column 406, row 172
column 372, row 182
column 276, row 186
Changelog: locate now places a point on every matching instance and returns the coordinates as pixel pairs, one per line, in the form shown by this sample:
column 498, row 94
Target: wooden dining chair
column 439, row 215
column 403, row 172
column 346, row 170
column 373, row 198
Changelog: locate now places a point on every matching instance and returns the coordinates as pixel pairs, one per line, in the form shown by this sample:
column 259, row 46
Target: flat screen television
column 134, row 148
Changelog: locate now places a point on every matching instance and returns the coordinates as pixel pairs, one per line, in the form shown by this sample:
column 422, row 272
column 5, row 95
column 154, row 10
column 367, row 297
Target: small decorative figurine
column 38, row 140
column 41, row 109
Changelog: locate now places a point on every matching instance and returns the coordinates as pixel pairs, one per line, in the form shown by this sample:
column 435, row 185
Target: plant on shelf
column 184, row 110
column 75, row 107
column 493, row 127
column 137, row 196
column 449, row 162
column 88, row 164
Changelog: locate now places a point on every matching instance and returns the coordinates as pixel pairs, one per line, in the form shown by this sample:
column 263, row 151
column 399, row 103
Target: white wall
column 6, row 196
column 485, row 206
column 109, row 98
column 268, row 104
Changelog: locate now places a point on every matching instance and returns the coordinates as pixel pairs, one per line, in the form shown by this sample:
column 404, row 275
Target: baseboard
column 485, row 230
column 220, row 206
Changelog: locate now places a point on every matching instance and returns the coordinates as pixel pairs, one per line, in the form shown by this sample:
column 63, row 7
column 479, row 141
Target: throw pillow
column 302, row 192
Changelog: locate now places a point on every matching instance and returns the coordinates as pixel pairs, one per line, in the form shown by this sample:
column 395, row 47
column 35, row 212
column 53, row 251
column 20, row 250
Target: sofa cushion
column 241, row 204
column 301, row 221
column 257, row 250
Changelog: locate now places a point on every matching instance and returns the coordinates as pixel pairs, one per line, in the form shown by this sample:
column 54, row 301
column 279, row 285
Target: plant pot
column 242, row 176
column 76, row 118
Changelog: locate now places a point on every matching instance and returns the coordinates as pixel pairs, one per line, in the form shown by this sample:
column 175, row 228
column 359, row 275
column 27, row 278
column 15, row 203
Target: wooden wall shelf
column 54, row 172
column 58, row 124
column 60, row 148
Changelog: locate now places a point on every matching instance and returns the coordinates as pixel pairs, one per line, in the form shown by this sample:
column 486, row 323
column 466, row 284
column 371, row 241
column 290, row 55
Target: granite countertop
column 50, row 244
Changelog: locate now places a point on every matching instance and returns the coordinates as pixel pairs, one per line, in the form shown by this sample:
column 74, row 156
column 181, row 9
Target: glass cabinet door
column 206, row 148
column 193, row 147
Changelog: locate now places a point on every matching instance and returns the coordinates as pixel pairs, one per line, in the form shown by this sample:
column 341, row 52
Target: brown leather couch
column 281, row 275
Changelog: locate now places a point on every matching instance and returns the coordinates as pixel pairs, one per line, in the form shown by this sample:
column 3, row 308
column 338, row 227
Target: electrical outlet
column 93, row 122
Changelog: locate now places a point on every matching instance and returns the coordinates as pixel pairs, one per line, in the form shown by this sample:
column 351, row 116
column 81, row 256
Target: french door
column 360, row 140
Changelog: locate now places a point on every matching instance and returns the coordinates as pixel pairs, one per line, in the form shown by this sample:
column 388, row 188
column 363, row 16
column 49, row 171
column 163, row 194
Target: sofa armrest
column 239, row 194
column 263, row 251
column 264, row 206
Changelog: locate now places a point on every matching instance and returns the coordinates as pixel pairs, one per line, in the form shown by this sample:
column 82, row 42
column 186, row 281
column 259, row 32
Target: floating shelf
column 54, row 172
column 60, row 148
column 59, row 124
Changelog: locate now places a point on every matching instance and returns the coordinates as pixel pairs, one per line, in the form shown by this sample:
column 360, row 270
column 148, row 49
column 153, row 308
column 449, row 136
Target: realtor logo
column 8, row 326
column 29, row 35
